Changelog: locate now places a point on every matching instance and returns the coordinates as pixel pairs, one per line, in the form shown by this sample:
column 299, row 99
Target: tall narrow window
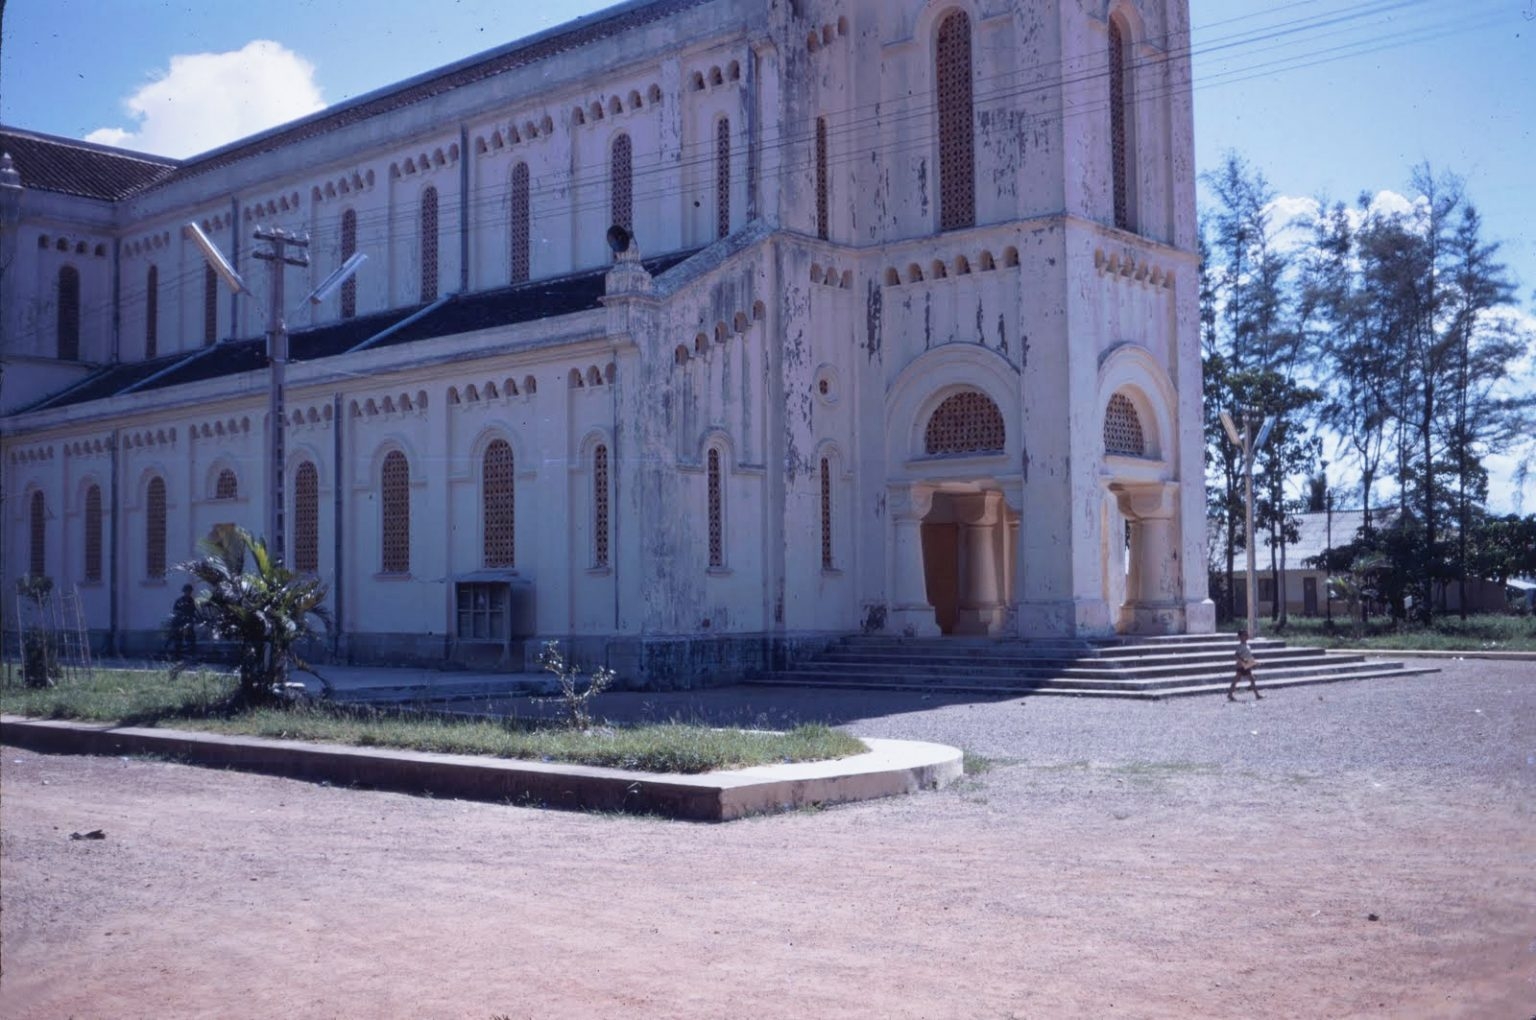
column 227, row 486
column 826, row 514
column 396, row 501
column 821, row 177
column 348, row 249
column 621, row 175
column 716, row 529
column 723, row 177
column 600, row 506
column 37, row 564
column 210, row 305
column 152, row 312
column 520, row 223
column 69, row 313
column 154, row 528
column 306, row 519
column 93, row 533
column 429, row 244
column 1119, row 140
column 498, row 506
column 957, row 141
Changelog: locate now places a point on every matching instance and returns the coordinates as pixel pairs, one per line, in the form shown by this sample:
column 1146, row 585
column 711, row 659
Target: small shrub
column 575, row 698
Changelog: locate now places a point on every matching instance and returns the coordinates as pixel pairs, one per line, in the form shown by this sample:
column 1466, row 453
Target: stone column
column 1153, row 603
column 910, row 611
column 981, row 610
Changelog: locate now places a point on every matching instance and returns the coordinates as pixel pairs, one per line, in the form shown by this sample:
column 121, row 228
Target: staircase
column 1147, row 668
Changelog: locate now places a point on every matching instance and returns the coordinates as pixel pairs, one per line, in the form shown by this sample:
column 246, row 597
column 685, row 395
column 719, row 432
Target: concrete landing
column 890, row 767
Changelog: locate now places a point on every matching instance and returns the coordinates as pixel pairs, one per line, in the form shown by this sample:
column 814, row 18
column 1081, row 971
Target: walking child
column 1245, row 664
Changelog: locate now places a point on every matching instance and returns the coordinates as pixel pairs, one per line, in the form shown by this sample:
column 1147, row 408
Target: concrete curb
column 1497, row 656
column 891, row 767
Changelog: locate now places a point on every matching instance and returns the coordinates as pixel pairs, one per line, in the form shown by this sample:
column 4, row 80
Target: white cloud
column 209, row 99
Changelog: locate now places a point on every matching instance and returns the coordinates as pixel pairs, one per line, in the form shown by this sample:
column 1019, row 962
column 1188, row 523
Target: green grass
column 1450, row 633
column 201, row 702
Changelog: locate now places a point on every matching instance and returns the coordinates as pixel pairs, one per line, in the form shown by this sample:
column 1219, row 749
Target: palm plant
column 267, row 610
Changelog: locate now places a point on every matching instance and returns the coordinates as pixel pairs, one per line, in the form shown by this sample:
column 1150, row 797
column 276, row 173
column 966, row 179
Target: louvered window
column 498, row 505
column 93, row 533
column 306, row 519
column 826, row 514
column 957, row 141
column 154, row 528
column 429, row 242
column 1122, row 428
column 621, row 183
column 967, row 422
column 38, row 561
column 600, row 506
column 396, row 501
column 520, row 223
column 210, row 305
column 723, row 177
column 716, row 524
column 69, row 313
column 348, row 249
column 822, row 209
column 152, row 312
column 1120, row 156
column 227, row 487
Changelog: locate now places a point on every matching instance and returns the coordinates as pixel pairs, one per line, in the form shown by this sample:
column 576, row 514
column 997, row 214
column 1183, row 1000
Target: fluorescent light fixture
column 341, row 275
column 1231, row 427
column 216, row 258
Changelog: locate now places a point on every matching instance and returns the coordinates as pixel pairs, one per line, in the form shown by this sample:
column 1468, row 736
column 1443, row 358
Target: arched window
column 210, row 305
column 966, row 422
column 227, row 486
column 621, row 196
column 37, row 564
column 1119, row 125
column 154, row 528
column 152, row 312
column 69, row 313
column 1122, row 428
column 93, row 533
column 821, row 177
column 826, row 514
column 429, row 244
column 348, row 249
column 520, row 223
column 716, row 522
column 957, row 141
column 396, row 502
column 600, row 506
column 306, row 519
column 498, row 505
column 723, row 177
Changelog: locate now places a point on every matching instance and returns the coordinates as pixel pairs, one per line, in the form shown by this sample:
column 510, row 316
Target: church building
column 692, row 334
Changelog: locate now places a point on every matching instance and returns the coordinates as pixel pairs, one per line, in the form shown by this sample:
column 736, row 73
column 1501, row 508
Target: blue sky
column 1326, row 97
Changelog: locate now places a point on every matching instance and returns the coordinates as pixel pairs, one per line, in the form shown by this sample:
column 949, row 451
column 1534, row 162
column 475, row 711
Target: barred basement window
column 723, row 177
column 967, row 422
column 227, row 487
column 600, row 506
column 429, row 241
column 154, row 529
column 306, row 519
column 483, row 611
column 152, row 312
column 716, row 530
column 396, row 502
column 93, row 533
column 1122, row 428
column 69, row 313
column 957, row 141
column 520, row 223
column 821, row 178
column 348, row 249
column 38, row 563
column 621, row 196
column 498, row 505
column 1120, row 155
column 210, row 306
column 826, row 514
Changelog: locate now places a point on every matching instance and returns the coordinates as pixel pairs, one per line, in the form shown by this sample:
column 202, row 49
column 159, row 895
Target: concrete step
column 893, row 659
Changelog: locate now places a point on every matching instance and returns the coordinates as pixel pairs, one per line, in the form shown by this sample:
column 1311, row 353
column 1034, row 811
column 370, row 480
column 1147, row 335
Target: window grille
column 826, row 514
column 821, row 178
column 498, row 505
column 69, row 313
column 348, row 249
column 429, row 244
column 154, row 529
column 600, row 506
column 716, row 531
column 227, row 487
column 210, row 306
column 967, row 422
column 957, row 142
column 1119, row 150
column 396, row 500
column 306, row 519
column 723, row 177
column 1122, row 428
column 621, row 182
column 93, row 533
column 483, row 611
column 520, row 224
column 152, row 312
column 38, row 563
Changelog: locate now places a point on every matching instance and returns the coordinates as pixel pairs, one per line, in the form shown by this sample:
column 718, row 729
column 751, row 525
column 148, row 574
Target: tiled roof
column 81, row 168
column 506, row 306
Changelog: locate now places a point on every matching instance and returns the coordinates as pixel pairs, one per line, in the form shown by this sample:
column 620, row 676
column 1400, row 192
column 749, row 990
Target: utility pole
column 1249, row 444
column 277, row 357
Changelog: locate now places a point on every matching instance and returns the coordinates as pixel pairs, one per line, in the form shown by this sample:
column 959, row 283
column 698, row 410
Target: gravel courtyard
column 1358, row 849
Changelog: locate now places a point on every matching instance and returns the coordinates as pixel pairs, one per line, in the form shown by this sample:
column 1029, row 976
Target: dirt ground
column 1032, row 890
